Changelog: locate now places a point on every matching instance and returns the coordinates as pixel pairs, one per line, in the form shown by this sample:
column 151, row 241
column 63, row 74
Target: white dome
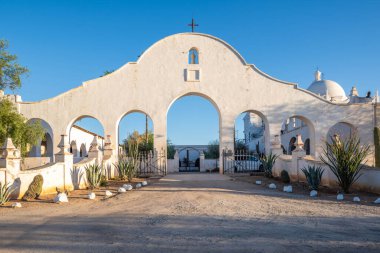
column 329, row 89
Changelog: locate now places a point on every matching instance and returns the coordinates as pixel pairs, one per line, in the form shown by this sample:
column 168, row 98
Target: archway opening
column 84, row 132
column 193, row 134
column 297, row 125
column 250, row 133
column 135, row 127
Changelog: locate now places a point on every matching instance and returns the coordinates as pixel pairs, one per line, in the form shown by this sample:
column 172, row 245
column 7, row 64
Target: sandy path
column 201, row 214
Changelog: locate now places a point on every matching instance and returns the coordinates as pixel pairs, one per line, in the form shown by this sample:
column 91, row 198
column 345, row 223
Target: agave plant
column 5, row 193
column 268, row 162
column 313, row 176
column 93, row 175
column 345, row 158
column 125, row 168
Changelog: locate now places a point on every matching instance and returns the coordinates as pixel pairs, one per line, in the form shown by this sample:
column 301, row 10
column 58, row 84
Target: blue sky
column 67, row 42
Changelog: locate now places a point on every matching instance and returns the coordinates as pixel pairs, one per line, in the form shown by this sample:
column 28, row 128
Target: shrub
column 345, row 158
column 93, row 175
column 268, row 163
column 285, row 176
column 103, row 181
column 34, row 189
column 313, row 176
column 5, row 193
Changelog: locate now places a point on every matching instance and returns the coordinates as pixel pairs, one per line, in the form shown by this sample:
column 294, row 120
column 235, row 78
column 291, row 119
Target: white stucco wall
column 158, row 78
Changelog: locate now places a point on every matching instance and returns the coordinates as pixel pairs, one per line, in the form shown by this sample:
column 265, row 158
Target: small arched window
column 193, row 56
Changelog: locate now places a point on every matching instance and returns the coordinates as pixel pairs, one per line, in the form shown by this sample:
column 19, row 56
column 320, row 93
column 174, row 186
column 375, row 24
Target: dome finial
column 318, row 75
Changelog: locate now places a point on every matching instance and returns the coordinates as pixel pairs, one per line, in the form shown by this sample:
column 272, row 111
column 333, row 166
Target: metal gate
column 189, row 166
column 151, row 164
column 241, row 162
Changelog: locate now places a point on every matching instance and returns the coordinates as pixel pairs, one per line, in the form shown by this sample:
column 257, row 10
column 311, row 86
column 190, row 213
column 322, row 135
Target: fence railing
column 151, row 163
column 241, row 162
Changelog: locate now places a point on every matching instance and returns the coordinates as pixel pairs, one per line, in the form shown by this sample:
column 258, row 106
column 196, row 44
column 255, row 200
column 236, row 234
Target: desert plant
column 285, row 176
column 345, row 157
column 93, row 175
column 268, row 162
column 376, row 136
column 34, row 189
column 5, row 193
column 313, row 176
column 126, row 168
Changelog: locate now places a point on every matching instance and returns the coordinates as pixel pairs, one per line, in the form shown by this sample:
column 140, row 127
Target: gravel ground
column 193, row 213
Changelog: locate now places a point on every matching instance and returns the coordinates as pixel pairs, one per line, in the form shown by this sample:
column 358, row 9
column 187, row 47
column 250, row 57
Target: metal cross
column 193, row 24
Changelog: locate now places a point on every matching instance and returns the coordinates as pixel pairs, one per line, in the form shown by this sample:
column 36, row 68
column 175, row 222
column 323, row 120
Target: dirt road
column 193, row 213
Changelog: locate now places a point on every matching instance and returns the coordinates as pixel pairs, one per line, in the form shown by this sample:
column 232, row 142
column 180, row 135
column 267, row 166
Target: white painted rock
column 61, row 198
column 138, row 185
column 121, row 190
column 16, row 205
column 356, row 199
column 144, row 183
column 109, row 194
column 288, row 188
column 128, row 187
column 313, row 193
column 91, row 195
column 339, row 197
column 377, row 201
column 272, row 186
column 258, row 182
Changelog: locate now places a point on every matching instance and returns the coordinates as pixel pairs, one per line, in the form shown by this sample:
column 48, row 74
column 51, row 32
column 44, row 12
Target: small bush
column 268, row 163
column 103, row 181
column 313, row 176
column 5, row 193
column 285, row 177
column 34, row 189
column 93, row 175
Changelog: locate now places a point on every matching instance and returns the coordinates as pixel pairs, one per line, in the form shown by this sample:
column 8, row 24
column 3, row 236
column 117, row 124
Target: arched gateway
column 215, row 71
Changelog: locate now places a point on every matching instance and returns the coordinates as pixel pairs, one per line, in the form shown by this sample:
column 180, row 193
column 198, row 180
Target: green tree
column 212, row 150
column 170, row 150
column 10, row 70
column 12, row 124
column 144, row 145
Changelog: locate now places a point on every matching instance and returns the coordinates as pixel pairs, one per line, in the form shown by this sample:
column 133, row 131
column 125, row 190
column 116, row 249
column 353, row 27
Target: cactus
column 35, row 188
column 376, row 135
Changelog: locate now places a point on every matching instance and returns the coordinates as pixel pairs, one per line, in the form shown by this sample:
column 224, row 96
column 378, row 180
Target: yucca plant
column 93, row 175
column 345, row 158
column 5, row 193
column 268, row 162
column 313, row 176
